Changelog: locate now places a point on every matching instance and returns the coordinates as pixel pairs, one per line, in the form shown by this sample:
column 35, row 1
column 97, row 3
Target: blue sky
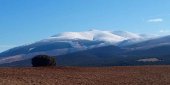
column 26, row 21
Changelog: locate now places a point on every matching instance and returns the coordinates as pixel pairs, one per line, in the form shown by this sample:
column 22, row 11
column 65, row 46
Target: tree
column 43, row 60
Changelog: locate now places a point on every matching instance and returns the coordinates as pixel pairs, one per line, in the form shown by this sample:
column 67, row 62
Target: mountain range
column 94, row 48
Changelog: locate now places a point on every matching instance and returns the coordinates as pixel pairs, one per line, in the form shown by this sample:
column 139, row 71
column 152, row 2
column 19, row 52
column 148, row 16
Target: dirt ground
column 131, row 75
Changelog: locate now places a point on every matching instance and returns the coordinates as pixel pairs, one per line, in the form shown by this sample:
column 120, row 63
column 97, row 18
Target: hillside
column 144, row 75
column 108, row 56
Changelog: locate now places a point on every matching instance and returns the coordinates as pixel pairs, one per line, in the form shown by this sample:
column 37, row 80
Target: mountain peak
column 92, row 34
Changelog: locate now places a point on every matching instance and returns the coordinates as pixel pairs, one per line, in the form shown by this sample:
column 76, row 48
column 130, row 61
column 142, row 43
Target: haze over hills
column 94, row 48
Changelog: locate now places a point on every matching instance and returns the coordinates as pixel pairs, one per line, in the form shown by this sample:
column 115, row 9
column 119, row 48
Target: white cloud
column 164, row 31
column 155, row 20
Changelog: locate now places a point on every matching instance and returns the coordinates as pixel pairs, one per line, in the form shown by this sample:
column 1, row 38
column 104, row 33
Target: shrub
column 43, row 60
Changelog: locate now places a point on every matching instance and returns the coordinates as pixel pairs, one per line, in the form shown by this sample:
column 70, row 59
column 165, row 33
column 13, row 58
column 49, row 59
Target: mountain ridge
column 71, row 42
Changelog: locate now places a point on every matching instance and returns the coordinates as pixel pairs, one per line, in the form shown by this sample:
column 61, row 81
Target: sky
column 26, row 21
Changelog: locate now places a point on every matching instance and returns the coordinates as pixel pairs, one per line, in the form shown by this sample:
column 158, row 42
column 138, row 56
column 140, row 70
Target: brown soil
column 141, row 75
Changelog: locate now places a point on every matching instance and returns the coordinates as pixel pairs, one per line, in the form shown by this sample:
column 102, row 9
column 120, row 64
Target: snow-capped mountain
column 69, row 42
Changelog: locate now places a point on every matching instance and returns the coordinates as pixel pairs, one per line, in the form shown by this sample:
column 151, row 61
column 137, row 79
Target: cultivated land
column 130, row 75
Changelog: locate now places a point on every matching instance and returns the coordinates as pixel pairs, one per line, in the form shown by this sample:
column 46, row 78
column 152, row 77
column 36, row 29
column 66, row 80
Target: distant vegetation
column 43, row 60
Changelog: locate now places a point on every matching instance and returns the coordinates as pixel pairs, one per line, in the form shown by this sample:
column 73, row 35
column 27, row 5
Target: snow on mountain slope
column 74, row 35
column 133, row 38
column 95, row 35
column 127, row 35
column 151, row 43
